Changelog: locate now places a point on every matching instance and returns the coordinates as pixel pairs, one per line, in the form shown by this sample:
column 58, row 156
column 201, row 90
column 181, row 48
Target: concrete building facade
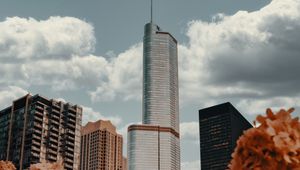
column 36, row 129
column 220, row 128
column 101, row 147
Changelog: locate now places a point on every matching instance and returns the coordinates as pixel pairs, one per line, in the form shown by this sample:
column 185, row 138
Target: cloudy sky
column 90, row 53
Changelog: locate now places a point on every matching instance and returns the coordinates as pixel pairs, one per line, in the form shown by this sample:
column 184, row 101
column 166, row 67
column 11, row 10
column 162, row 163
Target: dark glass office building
column 220, row 128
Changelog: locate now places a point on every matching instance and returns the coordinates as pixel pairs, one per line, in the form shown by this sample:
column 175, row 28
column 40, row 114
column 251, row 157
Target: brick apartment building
column 101, row 147
column 36, row 129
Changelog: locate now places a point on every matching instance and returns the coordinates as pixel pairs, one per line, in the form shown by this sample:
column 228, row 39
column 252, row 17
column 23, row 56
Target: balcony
column 39, row 103
column 56, row 105
column 53, row 141
column 71, row 126
column 72, row 133
column 68, row 160
column 55, row 135
column 39, row 113
column 72, row 115
column 37, row 125
column 34, row 136
column 73, row 121
column 68, row 166
column 35, row 158
column 35, row 143
column 37, row 132
column 53, row 146
column 55, row 111
column 51, row 157
column 71, row 139
column 37, row 118
column 40, row 108
column 52, row 151
column 54, row 117
column 55, row 123
column 73, row 109
column 36, row 149
column 70, row 149
column 54, row 129
column 70, row 144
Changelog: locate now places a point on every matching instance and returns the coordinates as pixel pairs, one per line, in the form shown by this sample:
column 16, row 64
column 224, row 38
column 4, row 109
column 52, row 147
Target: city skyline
column 91, row 53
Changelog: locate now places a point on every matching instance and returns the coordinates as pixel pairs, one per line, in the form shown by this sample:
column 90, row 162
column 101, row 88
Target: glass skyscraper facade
column 160, row 80
column 155, row 144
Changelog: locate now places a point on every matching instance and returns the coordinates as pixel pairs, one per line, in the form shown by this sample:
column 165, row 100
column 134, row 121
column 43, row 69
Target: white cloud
column 189, row 130
column 250, row 58
column 236, row 58
column 259, row 106
column 57, row 53
column 76, row 72
column 61, row 100
column 89, row 114
column 25, row 38
column 240, row 58
column 124, row 77
column 192, row 165
column 9, row 94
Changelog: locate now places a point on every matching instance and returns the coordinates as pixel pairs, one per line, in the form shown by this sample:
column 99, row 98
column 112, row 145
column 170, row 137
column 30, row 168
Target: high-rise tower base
column 153, row 147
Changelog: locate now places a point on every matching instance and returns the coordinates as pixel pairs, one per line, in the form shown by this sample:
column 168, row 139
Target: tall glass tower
column 160, row 78
column 155, row 144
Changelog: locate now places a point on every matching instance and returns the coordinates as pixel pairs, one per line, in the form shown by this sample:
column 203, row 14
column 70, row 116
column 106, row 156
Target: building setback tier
column 153, row 147
column 153, row 128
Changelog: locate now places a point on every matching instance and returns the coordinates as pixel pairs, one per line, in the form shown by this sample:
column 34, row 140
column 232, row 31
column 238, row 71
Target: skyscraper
column 220, row 128
column 35, row 129
column 155, row 144
column 101, row 147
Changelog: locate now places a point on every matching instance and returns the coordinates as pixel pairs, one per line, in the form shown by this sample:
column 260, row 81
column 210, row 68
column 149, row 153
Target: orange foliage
column 7, row 165
column 47, row 166
column 274, row 144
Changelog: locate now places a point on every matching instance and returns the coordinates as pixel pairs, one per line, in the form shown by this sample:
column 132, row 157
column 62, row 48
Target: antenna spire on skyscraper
column 151, row 11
